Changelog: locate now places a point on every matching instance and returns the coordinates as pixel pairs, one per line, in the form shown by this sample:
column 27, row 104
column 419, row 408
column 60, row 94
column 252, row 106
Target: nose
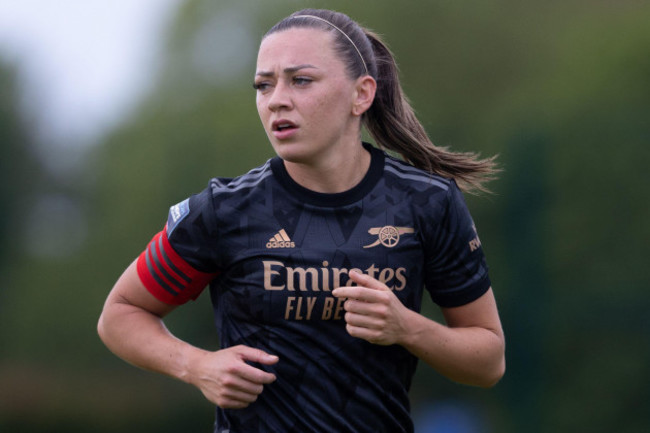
column 280, row 97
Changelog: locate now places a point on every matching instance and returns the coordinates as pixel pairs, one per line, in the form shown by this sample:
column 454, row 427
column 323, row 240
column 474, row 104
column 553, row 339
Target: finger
column 363, row 281
column 231, row 404
column 235, row 386
column 362, row 294
column 370, row 335
column 367, row 281
column 251, row 373
column 363, row 321
column 255, row 375
column 243, row 397
column 235, row 400
column 377, row 307
column 256, row 355
column 352, row 292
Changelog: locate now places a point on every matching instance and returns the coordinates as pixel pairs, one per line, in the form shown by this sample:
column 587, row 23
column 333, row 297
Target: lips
column 283, row 129
column 282, row 125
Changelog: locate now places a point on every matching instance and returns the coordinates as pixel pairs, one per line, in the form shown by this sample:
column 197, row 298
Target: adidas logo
column 280, row 240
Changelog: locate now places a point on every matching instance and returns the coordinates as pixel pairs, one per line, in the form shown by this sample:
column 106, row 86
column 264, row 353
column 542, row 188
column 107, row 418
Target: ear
column 364, row 94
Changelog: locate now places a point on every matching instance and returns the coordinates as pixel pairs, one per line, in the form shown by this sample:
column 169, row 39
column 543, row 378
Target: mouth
column 283, row 125
column 283, row 129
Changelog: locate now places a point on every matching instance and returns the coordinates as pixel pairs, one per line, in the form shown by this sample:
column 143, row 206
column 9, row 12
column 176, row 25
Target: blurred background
column 110, row 112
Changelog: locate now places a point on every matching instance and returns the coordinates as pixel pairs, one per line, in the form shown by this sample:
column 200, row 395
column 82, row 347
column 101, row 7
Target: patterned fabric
column 273, row 251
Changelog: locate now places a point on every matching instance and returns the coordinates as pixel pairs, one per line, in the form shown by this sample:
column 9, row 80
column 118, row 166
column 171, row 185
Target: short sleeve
column 177, row 265
column 456, row 269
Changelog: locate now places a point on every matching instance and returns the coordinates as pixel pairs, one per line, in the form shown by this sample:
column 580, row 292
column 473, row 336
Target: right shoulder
column 199, row 211
column 240, row 184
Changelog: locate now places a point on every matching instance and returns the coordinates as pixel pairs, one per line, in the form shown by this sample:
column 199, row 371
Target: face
column 304, row 97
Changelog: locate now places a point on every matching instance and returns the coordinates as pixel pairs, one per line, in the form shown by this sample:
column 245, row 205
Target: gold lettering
column 337, row 276
column 290, row 307
column 326, row 279
column 311, row 301
column 269, row 272
column 302, row 281
column 401, row 277
column 339, row 308
column 386, row 275
column 298, row 308
column 350, row 282
column 326, row 276
column 372, row 270
column 327, row 308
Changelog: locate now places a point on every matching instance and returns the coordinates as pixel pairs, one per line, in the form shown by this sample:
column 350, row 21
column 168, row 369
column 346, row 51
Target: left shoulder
column 403, row 172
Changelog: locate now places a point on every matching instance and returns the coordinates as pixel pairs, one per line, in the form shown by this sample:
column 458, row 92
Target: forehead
column 296, row 46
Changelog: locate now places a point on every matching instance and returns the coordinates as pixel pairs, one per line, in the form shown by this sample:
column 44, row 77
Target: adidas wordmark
column 280, row 240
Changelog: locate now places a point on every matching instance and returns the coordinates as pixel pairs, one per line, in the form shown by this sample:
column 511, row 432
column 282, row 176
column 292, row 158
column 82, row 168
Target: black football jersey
column 272, row 252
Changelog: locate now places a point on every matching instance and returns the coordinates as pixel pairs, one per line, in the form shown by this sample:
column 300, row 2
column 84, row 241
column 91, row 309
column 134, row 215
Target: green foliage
column 559, row 90
column 16, row 163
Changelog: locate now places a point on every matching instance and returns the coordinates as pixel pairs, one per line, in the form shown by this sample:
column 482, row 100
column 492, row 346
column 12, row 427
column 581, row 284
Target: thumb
column 367, row 281
column 256, row 355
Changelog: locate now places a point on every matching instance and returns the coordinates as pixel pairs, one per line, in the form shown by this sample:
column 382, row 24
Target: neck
column 339, row 173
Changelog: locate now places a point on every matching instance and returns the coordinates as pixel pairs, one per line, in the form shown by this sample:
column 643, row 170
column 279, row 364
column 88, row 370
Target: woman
column 317, row 260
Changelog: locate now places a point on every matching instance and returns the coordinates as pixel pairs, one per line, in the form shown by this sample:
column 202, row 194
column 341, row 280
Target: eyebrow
column 289, row 70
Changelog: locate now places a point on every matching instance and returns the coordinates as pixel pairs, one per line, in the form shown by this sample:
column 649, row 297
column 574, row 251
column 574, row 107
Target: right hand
column 227, row 380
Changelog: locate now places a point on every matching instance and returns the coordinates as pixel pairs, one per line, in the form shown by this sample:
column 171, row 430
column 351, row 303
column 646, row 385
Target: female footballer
column 317, row 261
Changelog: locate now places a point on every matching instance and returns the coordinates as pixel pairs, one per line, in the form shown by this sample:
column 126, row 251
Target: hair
column 390, row 120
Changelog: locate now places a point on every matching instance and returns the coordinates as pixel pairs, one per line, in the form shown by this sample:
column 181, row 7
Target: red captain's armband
column 167, row 275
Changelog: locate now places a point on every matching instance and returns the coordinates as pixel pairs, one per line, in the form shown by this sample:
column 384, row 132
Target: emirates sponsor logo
column 278, row 276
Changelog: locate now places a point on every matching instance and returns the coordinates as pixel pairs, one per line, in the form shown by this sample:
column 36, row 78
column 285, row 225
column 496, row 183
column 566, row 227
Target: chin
column 293, row 152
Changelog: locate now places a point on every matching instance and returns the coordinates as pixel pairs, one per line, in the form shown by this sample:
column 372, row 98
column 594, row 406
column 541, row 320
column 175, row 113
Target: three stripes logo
column 280, row 240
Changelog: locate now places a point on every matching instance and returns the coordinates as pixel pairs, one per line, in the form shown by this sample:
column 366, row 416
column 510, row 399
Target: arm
column 469, row 350
column 131, row 326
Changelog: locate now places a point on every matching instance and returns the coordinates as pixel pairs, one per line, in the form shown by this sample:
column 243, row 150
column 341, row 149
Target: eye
column 302, row 81
column 261, row 86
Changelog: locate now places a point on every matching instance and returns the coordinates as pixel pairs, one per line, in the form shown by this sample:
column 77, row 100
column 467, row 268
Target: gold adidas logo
column 280, row 240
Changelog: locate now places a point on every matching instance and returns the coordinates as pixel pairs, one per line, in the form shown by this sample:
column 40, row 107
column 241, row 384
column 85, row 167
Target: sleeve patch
column 176, row 214
column 475, row 243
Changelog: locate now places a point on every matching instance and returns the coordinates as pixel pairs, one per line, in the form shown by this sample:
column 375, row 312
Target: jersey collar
column 338, row 199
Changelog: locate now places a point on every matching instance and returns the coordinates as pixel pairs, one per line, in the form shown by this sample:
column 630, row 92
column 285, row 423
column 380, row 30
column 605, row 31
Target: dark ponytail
column 390, row 120
column 392, row 123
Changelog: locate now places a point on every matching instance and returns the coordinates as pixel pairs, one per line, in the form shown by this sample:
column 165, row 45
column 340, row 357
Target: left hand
column 373, row 312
